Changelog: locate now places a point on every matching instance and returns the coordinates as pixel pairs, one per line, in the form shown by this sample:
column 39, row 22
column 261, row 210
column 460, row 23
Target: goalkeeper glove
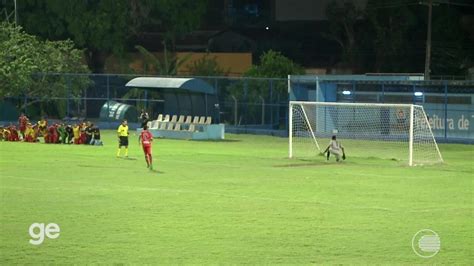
column 343, row 156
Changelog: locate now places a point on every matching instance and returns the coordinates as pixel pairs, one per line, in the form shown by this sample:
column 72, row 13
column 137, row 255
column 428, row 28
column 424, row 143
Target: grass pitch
column 239, row 201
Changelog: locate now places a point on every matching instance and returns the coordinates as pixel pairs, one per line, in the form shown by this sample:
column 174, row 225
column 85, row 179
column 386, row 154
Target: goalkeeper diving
column 335, row 148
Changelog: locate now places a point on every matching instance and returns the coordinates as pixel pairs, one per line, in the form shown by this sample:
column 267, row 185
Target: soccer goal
column 368, row 130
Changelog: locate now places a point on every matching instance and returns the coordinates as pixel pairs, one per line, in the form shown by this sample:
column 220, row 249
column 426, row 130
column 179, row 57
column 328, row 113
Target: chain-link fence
column 257, row 105
column 449, row 105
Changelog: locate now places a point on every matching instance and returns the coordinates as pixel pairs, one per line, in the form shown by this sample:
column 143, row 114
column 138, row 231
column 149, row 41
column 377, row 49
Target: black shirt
column 89, row 130
column 69, row 129
column 96, row 132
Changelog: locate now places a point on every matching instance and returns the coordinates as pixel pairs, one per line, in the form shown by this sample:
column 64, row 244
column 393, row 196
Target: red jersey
column 22, row 120
column 13, row 134
column 146, row 138
column 52, row 130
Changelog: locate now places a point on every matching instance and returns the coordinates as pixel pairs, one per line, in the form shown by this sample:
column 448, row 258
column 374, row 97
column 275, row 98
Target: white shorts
column 336, row 152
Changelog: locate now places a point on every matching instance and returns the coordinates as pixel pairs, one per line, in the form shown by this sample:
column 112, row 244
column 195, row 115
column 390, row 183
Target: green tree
column 251, row 93
column 452, row 51
column 177, row 17
column 342, row 28
column 392, row 26
column 105, row 27
column 24, row 57
column 274, row 65
column 100, row 27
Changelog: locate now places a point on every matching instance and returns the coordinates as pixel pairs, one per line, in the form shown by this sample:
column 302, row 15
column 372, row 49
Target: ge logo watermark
column 426, row 243
column 39, row 230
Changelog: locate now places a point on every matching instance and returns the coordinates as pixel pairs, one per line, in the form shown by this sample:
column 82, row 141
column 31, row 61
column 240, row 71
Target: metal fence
column 255, row 105
column 449, row 105
column 242, row 102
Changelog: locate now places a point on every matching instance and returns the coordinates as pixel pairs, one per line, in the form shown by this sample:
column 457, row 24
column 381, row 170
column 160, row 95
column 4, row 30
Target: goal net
column 368, row 130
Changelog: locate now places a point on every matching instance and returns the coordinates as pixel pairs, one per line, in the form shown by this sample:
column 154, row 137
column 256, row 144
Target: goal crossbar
column 355, row 104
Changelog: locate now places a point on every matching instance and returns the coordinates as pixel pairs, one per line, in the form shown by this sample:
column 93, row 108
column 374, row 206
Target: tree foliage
column 23, row 56
column 105, row 27
column 98, row 26
column 177, row 17
column 392, row 27
column 391, row 37
column 274, row 65
column 257, row 90
column 452, row 50
column 342, row 28
column 167, row 66
column 206, row 66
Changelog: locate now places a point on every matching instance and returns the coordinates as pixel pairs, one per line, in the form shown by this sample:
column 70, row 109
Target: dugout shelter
column 183, row 97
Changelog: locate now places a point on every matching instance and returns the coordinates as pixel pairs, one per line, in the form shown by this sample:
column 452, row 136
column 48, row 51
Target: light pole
column 428, row 42
column 16, row 16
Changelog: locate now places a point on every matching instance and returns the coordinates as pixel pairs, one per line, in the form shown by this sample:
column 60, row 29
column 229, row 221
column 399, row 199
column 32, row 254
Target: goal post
column 368, row 130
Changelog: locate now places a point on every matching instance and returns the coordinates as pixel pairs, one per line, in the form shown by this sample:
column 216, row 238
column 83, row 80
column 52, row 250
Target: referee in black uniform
column 122, row 133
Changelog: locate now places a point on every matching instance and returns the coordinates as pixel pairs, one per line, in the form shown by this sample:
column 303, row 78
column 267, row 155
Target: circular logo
column 426, row 243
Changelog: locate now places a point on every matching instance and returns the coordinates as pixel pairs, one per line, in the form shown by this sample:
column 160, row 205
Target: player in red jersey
column 53, row 136
column 146, row 138
column 22, row 121
column 13, row 134
column 83, row 135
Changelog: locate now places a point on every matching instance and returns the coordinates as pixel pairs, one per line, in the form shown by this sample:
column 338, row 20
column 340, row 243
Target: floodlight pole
column 16, row 16
column 428, row 42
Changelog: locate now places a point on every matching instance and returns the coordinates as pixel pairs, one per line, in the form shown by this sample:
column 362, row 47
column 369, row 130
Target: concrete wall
column 234, row 63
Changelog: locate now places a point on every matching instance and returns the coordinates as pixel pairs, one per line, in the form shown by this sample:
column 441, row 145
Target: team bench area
column 185, row 127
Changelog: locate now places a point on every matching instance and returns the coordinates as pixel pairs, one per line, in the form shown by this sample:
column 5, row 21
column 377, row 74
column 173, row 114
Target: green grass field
column 239, row 201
